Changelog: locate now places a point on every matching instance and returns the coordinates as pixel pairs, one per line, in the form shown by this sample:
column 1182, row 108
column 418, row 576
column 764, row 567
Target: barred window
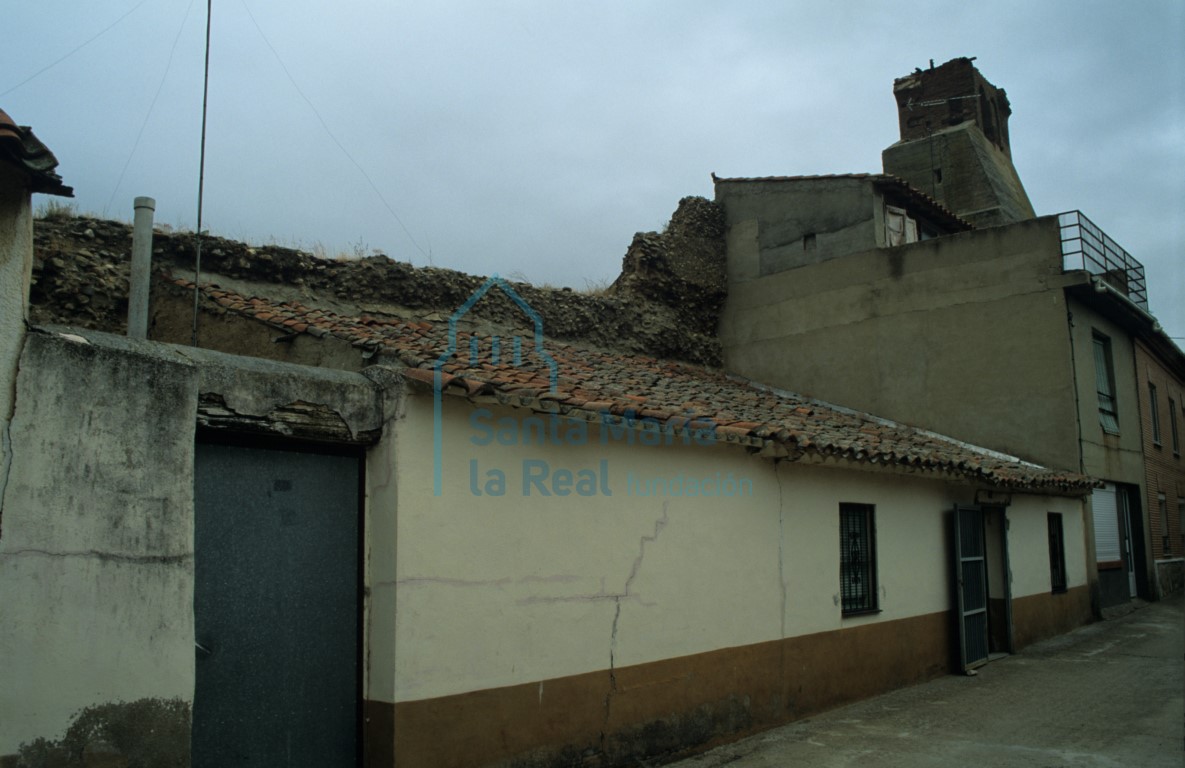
column 857, row 558
column 1057, row 553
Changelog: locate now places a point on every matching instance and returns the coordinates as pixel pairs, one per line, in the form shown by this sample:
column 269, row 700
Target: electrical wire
column 325, row 126
column 53, row 64
column 160, row 86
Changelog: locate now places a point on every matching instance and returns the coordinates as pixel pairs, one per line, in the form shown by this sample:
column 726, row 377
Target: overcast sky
column 533, row 138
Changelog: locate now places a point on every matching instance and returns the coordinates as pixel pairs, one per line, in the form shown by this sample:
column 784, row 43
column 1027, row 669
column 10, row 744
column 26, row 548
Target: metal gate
column 275, row 608
column 971, row 586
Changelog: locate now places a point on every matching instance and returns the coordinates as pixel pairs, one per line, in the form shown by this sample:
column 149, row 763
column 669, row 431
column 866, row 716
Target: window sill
column 1058, row 591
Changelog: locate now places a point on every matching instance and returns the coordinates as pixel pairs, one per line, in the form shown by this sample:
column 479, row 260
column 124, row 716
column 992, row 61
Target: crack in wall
column 6, row 434
column 6, row 468
column 659, row 525
column 114, row 557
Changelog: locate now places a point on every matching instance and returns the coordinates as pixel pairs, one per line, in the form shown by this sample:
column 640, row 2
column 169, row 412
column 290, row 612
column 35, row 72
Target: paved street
column 1109, row 694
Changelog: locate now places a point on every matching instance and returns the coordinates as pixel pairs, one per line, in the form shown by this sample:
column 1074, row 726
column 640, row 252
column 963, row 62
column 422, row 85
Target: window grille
column 857, row 558
column 1057, row 553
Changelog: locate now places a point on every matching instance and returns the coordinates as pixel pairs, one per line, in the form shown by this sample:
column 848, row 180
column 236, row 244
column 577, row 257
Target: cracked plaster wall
column 498, row 591
column 96, row 553
column 16, row 263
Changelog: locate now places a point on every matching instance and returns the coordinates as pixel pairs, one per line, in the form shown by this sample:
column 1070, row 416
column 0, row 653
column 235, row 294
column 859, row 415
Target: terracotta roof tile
column 676, row 396
column 20, row 147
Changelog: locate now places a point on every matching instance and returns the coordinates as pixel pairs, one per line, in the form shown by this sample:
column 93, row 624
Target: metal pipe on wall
column 141, row 269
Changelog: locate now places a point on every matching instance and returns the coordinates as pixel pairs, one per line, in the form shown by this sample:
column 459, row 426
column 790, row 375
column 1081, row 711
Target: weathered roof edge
column 882, row 180
column 769, row 439
column 22, row 149
column 777, row 444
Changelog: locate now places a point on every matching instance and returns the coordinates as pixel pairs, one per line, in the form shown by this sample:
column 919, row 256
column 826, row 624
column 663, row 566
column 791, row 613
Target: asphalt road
column 1108, row 694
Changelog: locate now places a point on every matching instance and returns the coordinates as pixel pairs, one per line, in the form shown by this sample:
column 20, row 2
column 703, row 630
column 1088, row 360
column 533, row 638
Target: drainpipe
column 141, row 268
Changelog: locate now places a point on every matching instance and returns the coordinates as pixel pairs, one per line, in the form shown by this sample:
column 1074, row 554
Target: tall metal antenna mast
column 197, row 262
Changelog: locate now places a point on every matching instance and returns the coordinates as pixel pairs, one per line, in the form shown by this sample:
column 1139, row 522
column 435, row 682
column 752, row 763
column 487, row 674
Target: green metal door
column 971, row 586
column 275, row 608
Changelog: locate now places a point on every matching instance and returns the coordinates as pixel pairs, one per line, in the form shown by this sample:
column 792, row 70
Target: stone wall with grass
column 666, row 302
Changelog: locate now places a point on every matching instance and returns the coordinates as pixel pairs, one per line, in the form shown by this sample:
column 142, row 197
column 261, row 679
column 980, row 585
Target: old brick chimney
column 955, row 144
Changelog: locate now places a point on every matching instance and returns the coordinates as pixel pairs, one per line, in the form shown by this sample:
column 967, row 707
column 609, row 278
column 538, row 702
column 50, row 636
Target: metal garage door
column 276, row 608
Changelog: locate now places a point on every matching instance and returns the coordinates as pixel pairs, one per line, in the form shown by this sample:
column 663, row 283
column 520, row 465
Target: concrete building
column 1020, row 336
column 209, row 557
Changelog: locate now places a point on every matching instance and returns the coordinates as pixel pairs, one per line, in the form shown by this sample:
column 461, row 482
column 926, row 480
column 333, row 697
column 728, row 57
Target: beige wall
column 963, row 334
column 1028, row 542
column 499, row 591
column 767, row 221
column 1117, row 458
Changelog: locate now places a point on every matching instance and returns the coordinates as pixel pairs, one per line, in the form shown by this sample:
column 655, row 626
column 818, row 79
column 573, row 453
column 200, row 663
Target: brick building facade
column 1162, row 419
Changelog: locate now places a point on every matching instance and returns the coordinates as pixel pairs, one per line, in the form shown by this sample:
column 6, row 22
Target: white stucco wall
column 1028, row 543
column 500, row 590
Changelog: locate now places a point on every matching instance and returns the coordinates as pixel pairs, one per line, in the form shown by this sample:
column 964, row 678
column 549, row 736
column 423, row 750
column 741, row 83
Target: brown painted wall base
column 611, row 718
column 1037, row 617
column 378, row 734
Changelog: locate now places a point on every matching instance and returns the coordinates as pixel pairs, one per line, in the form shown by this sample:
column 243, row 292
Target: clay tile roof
column 880, row 180
column 644, row 392
column 22, row 149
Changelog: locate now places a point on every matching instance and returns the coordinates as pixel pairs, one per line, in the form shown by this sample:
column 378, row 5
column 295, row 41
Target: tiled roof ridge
column 643, row 392
column 891, row 423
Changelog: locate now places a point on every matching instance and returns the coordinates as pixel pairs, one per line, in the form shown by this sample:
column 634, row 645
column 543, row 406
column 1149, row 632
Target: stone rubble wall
column 665, row 304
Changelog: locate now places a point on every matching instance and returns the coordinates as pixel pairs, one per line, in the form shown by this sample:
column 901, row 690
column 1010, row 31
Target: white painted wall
column 1028, row 542
column 495, row 591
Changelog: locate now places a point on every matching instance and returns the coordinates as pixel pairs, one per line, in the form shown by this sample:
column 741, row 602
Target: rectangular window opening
column 1154, row 414
column 1057, row 553
column 1173, row 427
column 857, row 558
column 1105, row 384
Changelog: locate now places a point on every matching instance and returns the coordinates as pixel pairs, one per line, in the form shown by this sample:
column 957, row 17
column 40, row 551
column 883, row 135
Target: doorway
column 276, row 607
column 983, row 598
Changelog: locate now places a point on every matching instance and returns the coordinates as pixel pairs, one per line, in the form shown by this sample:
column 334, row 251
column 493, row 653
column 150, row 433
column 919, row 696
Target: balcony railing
column 1085, row 246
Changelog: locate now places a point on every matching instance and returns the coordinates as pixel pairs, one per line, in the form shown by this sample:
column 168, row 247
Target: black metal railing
column 1085, row 246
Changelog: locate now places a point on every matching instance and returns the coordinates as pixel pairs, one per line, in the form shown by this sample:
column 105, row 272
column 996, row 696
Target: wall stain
column 146, row 733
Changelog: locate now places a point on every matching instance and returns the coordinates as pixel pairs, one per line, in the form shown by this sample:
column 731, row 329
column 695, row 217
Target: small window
column 1057, row 553
column 1154, row 413
column 1173, row 427
column 1105, row 384
column 1162, row 507
column 808, row 241
column 857, row 558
